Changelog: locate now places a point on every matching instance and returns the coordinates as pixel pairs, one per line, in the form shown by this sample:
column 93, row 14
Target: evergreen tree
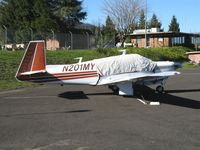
column 142, row 19
column 154, row 23
column 16, row 15
column 26, row 14
column 41, row 14
column 174, row 25
column 98, row 36
column 69, row 11
column 108, row 31
column 43, row 20
column 109, row 28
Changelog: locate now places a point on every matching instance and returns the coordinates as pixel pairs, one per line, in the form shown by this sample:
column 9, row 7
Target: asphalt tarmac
column 52, row 117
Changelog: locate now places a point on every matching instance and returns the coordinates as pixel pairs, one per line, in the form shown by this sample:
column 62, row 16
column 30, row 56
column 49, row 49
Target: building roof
column 194, row 52
column 158, row 32
column 165, row 33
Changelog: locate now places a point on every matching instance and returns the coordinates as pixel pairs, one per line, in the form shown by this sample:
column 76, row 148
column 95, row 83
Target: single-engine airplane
column 120, row 73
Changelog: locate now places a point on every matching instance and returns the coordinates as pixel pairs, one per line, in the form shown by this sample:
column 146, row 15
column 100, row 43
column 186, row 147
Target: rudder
column 34, row 60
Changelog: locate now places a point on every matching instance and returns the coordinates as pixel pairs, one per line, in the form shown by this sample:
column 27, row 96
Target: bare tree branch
column 124, row 13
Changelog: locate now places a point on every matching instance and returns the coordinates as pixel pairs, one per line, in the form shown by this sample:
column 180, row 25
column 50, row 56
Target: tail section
column 34, row 60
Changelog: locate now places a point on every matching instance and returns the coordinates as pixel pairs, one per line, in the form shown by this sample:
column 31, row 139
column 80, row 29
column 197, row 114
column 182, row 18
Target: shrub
column 107, row 51
column 165, row 53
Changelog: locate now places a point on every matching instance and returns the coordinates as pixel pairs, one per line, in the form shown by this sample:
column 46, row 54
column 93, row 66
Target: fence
column 76, row 39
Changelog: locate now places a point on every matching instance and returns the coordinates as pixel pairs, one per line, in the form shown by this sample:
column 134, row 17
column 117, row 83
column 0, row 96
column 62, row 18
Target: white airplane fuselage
column 87, row 73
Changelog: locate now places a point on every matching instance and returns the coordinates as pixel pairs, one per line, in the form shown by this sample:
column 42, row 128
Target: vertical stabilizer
column 34, row 60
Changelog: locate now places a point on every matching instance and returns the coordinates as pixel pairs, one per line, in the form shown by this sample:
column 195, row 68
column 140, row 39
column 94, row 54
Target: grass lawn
column 188, row 65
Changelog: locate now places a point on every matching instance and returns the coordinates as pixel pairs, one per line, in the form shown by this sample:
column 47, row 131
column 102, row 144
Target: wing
column 133, row 76
column 165, row 74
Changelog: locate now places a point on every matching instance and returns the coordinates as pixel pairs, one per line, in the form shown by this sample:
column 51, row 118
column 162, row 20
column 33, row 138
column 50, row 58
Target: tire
column 160, row 89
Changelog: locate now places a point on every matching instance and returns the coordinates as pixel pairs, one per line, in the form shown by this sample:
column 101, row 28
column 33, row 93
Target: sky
column 187, row 13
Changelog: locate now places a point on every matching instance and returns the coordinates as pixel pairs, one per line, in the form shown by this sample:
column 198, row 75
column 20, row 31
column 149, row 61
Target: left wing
column 133, row 76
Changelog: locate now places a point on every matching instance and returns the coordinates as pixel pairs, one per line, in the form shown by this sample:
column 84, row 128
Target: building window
column 195, row 40
column 178, row 40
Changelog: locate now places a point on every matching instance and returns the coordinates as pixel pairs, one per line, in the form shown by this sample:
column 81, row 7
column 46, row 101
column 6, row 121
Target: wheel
column 160, row 89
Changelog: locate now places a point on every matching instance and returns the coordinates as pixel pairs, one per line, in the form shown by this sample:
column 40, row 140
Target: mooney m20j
column 118, row 72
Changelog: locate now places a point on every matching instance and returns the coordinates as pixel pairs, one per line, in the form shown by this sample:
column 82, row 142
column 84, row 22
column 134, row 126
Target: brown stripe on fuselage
column 75, row 72
column 47, row 76
column 54, row 78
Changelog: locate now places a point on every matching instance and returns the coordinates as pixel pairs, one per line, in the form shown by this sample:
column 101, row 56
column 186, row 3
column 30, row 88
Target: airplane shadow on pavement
column 167, row 98
column 147, row 93
column 74, row 95
column 46, row 113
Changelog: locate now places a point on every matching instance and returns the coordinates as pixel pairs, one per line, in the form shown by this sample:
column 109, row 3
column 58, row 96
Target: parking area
column 75, row 117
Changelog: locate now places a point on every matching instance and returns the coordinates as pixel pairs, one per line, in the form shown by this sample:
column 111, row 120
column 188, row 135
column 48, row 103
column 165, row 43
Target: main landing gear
column 114, row 88
column 160, row 89
column 123, row 89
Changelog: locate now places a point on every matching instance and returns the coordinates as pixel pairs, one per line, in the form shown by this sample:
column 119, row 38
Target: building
column 52, row 44
column 157, row 38
column 194, row 56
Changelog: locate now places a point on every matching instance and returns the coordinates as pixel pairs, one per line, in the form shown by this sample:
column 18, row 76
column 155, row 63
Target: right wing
column 122, row 77
column 133, row 76
column 164, row 74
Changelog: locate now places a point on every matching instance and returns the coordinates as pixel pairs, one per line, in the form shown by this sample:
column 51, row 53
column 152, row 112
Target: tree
column 98, row 35
column 23, row 16
column 43, row 20
column 69, row 11
column 174, row 25
column 142, row 20
column 109, row 28
column 34, row 14
column 16, row 15
column 41, row 14
column 124, row 13
column 108, row 31
column 154, row 23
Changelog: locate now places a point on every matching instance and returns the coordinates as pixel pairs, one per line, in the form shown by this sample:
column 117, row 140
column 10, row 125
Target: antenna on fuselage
column 79, row 59
column 123, row 51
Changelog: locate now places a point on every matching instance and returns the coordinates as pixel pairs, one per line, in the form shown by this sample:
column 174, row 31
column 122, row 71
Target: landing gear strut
column 160, row 88
column 114, row 88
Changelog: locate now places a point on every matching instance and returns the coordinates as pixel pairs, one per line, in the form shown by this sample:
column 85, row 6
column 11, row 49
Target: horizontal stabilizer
column 33, row 72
